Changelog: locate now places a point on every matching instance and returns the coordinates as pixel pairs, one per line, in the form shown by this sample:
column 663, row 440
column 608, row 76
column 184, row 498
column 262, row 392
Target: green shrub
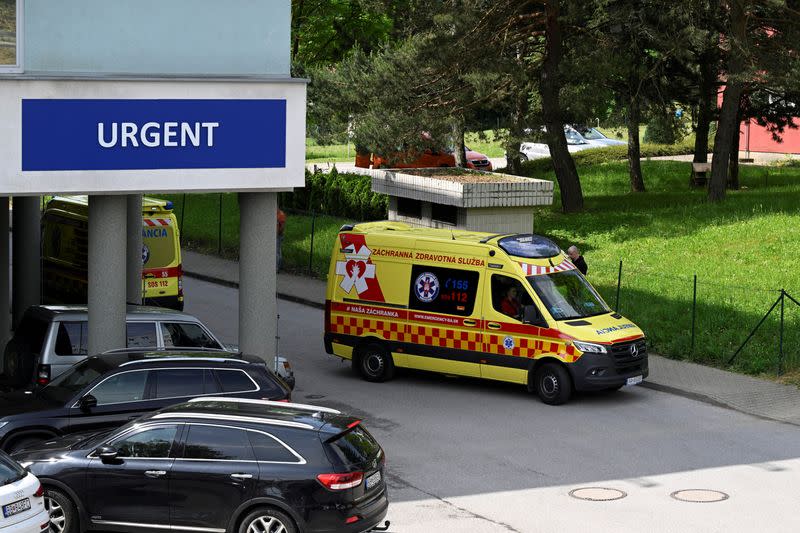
column 338, row 194
column 664, row 128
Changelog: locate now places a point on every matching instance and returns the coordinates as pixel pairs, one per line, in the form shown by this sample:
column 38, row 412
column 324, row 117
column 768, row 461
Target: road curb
column 235, row 285
column 696, row 396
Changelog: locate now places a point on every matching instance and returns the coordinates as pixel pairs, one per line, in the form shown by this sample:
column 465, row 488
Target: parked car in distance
column 49, row 339
column 222, row 465
column 21, row 499
column 578, row 138
column 110, row 389
column 594, row 136
column 428, row 158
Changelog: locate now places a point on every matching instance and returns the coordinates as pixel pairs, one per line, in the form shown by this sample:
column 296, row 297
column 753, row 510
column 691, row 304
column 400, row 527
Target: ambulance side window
column 443, row 290
column 509, row 296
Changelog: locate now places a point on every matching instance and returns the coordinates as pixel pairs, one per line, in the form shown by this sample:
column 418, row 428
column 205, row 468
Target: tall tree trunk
column 567, row 175
column 707, row 101
column 733, row 175
column 515, row 133
column 459, row 151
column 705, row 109
column 297, row 16
column 634, row 152
column 729, row 114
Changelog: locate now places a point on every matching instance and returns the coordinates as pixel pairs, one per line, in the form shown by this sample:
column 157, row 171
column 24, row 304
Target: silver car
column 578, row 138
column 49, row 339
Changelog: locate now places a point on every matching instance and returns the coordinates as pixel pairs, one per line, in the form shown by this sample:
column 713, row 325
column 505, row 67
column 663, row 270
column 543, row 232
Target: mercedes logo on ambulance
column 634, row 350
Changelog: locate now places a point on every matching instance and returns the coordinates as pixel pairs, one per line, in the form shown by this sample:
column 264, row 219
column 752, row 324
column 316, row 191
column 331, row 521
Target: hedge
column 338, row 194
column 608, row 154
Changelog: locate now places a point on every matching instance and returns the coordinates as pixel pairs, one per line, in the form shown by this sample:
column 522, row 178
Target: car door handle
column 134, row 417
column 469, row 322
column 155, row 473
column 493, row 325
column 241, row 476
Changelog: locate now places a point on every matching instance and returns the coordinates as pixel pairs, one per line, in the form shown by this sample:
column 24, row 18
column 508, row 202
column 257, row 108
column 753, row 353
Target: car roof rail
column 268, row 403
column 232, row 418
column 178, row 358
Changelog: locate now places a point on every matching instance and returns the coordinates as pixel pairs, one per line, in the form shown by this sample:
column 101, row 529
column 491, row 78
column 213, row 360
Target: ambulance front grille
column 628, row 352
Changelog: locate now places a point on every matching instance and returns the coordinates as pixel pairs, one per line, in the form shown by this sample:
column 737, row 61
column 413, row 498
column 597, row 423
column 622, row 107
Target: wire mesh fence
column 750, row 327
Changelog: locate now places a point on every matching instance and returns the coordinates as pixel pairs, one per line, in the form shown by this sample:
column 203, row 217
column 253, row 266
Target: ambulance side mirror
column 531, row 315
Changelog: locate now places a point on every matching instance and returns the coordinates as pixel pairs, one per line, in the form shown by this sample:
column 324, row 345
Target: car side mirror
column 87, row 402
column 107, row 454
column 531, row 315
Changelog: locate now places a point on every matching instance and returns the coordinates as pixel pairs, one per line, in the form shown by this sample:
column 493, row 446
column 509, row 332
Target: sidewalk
column 742, row 393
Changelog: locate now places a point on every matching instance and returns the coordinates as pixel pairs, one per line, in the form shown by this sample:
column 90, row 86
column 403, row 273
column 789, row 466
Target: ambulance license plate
column 373, row 480
column 635, row 380
column 16, row 507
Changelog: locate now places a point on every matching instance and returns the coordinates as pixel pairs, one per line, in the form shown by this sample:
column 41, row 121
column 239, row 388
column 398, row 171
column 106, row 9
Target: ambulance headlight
column 588, row 347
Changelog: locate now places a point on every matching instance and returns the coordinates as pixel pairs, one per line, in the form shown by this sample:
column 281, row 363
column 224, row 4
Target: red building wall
column 755, row 138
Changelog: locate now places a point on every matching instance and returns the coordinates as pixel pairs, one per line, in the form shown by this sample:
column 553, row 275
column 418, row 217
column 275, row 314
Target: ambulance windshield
column 568, row 295
column 158, row 244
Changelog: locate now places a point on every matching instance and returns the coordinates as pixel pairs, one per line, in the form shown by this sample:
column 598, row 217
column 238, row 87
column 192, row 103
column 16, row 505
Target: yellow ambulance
column 506, row 307
column 65, row 242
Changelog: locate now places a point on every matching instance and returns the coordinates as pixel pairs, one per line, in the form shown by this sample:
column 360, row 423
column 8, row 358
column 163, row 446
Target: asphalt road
column 468, row 455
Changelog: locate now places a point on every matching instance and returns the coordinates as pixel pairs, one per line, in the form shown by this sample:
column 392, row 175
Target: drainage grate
column 597, row 494
column 699, row 495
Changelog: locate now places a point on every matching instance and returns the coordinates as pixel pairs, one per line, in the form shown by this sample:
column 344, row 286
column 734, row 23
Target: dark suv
column 111, row 389
column 217, row 465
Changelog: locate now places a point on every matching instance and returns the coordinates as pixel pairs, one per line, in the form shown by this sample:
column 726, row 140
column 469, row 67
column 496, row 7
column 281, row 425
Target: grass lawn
column 316, row 153
column 741, row 250
column 201, row 230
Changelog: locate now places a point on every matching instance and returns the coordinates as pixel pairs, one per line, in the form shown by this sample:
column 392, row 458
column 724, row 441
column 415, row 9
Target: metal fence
column 713, row 321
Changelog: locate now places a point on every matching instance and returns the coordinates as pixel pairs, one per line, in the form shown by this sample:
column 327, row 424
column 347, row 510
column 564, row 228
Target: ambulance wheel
column 374, row 363
column 552, row 383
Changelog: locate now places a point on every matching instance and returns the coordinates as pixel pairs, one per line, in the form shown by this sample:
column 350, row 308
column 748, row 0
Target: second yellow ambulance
column 65, row 241
column 503, row 307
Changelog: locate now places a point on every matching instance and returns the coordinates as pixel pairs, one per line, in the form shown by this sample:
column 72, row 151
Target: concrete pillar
column 134, row 255
column 258, row 305
column 5, row 289
column 26, row 251
column 107, row 254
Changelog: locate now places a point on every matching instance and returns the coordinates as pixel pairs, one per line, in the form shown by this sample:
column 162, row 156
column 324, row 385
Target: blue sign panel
column 152, row 134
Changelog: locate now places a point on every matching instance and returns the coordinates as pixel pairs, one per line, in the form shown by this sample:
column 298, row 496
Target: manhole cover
column 597, row 494
column 315, row 396
column 699, row 495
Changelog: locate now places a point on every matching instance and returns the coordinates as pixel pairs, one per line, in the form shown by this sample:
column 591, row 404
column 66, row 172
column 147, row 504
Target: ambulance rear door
column 160, row 257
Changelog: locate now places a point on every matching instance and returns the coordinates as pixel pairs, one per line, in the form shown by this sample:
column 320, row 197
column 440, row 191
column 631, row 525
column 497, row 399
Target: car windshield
column 10, row 470
column 568, row 295
column 591, row 134
column 75, row 379
column 573, row 137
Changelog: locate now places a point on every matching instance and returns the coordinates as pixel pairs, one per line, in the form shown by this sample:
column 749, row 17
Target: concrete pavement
column 746, row 394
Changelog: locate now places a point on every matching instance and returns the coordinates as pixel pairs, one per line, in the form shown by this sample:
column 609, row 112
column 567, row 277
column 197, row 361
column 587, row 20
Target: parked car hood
column 472, row 154
column 19, row 402
column 42, row 451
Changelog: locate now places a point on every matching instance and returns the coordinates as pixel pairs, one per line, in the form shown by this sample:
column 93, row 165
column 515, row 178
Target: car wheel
column 21, row 443
column 523, row 158
column 375, row 364
column 553, row 384
column 63, row 517
column 17, row 363
column 267, row 520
